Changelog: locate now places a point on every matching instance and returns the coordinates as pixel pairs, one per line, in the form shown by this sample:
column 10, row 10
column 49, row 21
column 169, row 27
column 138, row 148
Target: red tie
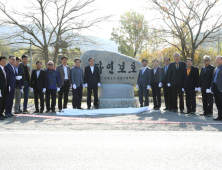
column 5, row 76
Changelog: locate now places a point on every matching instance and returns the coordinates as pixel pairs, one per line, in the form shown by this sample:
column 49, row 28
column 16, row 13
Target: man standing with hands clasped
column 204, row 87
column 11, row 82
column 77, row 84
column 3, row 87
column 92, row 82
column 144, row 83
column 19, row 85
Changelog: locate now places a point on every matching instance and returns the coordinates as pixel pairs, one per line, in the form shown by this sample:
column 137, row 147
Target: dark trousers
column 218, row 100
column 167, row 97
column 175, row 90
column 26, row 95
column 207, row 99
column 156, row 95
column 64, row 90
column 143, row 92
column 191, row 100
column 52, row 93
column 39, row 95
column 89, row 93
column 77, row 97
column 9, row 101
column 2, row 102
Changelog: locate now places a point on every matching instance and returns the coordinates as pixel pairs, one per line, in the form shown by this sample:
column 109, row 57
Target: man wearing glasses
column 11, row 82
column 206, row 76
column 52, row 86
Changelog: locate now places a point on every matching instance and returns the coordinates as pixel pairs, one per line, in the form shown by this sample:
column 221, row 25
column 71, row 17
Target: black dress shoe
column 7, row 115
column 20, row 111
column 47, row 111
column 193, row 113
column 209, row 115
column 1, row 118
column 174, row 110
column 141, row 105
column 188, row 112
column 16, row 113
column 60, row 110
column 181, row 111
column 37, row 111
column 88, row 107
column 41, row 111
column 25, row 112
column 80, row 108
column 166, row 108
column 218, row 118
column 53, row 111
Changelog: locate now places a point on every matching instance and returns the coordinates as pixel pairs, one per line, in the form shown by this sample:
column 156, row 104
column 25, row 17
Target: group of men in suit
column 178, row 77
column 16, row 80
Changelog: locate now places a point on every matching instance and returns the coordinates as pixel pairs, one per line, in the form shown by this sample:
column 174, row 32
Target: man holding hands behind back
column 144, row 83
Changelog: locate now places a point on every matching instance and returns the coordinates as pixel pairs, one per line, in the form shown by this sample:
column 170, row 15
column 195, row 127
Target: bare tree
column 45, row 19
column 191, row 22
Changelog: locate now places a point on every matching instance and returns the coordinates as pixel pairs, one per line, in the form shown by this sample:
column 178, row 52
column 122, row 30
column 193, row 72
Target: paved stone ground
column 28, row 123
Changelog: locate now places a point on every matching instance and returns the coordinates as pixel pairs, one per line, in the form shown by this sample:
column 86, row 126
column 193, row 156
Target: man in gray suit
column 77, row 84
column 144, row 83
column 64, row 74
column 217, row 86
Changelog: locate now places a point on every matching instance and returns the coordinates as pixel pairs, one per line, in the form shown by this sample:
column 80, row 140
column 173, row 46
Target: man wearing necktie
column 19, row 85
column 144, row 83
column 3, row 87
column 11, row 82
column 204, row 87
column 175, row 81
column 166, row 89
column 217, row 86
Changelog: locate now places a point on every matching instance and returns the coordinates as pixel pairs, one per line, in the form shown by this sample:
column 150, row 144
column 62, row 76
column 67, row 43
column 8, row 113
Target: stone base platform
column 118, row 102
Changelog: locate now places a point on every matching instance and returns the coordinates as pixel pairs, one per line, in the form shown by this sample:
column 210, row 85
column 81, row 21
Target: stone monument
column 118, row 76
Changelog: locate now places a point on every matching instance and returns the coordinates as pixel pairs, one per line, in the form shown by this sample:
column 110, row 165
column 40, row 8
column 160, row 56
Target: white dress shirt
column 37, row 73
column 66, row 72
column 144, row 69
column 3, row 71
column 92, row 68
column 155, row 69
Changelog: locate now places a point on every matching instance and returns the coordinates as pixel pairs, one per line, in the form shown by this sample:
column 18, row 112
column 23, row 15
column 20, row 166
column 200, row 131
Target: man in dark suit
column 217, row 86
column 205, row 80
column 190, row 86
column 166, row 89
column 3, row 87
column 175, row 80
column 38, row 83
column 144, row 83
column 19, row 85
column 77, row 81
column 27, row 81
column 64, row 74
column 11, row 82
column 92, row 82
column 156, row 84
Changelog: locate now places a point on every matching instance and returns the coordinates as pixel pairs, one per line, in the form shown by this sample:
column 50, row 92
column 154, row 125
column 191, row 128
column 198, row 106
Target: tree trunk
column 46, row 55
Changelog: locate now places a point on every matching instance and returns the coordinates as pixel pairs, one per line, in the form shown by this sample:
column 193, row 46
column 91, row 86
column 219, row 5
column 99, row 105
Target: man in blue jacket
column 190, row 86
column 11, row 82
column 19, row 85
column 52, row 86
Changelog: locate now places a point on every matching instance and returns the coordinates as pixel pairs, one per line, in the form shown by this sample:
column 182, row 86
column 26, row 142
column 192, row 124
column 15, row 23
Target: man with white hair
column 217, row 86
column 204, row 87
column 52, row 86
column 175, row 81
